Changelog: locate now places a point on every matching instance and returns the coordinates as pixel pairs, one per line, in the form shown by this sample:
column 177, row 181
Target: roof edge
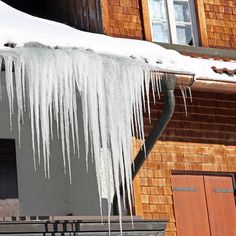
column 201, row 51
column 204, row 84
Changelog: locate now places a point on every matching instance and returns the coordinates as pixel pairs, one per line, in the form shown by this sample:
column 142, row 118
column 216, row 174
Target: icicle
column 184, row 95
column 153, row 86
column 190, row 94
column 112, row 93
column 158, row 85
column 9, row 84
column 19, row 95
column 147, row 89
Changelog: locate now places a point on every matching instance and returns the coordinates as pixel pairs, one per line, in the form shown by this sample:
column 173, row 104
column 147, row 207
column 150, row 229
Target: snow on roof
column 20, row 28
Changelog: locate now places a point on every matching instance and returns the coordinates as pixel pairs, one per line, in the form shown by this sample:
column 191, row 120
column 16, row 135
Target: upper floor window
column 173, row 21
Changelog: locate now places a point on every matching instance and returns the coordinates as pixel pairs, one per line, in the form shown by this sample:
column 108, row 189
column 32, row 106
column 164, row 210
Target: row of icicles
column 58, row 87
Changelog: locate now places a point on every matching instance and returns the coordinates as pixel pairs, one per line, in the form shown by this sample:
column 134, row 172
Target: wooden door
column 204, row 205
column 190, row 205
column 221, row 205
column 9, row 202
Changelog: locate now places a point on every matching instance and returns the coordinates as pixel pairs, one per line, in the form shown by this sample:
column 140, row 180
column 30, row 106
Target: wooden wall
column 81, row 14
column 220, row 17
column 204, row 141
column 122, row 18
column 36, row 8
column 130, row 18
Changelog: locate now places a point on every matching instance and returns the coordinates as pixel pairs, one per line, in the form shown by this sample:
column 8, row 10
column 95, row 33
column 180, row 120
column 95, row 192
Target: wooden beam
column 201, row 21
column 210, row 85
column 105, row 17
column 146, row 20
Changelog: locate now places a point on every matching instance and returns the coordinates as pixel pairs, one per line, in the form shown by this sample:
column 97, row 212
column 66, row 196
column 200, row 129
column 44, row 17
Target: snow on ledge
column 22, row 29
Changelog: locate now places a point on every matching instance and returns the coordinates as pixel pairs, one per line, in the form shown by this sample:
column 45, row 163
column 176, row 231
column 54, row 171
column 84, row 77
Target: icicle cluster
column 112, row 90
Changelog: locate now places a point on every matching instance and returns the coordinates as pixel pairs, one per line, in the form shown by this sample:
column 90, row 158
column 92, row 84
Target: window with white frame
column 173, row 21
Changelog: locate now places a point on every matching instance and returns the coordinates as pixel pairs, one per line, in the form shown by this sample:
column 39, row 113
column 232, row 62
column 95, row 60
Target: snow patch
column 21, row 29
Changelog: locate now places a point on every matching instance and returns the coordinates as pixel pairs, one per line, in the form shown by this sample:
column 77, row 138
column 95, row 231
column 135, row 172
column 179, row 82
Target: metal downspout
column 168, row 84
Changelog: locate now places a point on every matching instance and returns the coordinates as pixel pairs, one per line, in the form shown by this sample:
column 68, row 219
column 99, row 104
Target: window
column 173, row 21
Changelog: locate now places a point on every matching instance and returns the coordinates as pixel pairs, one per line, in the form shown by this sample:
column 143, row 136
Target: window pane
column 183, row 22
column 158, row 10
column 182, row 11
column 161, row 32
column 184, row 34
column 160, row 22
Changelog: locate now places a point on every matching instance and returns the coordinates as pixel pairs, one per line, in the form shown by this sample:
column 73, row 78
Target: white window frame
column 172, row 23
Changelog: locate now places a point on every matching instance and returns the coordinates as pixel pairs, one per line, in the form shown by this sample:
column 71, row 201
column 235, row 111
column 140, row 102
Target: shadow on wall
column 55, row 196
column 36, row 8
column 211, row 118
column 84, row 15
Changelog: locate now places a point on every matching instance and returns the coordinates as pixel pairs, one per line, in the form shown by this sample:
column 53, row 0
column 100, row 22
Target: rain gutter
column 218, row 86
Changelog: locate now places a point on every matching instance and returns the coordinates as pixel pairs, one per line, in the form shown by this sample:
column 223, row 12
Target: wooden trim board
column 146, row 20
column 201, row 22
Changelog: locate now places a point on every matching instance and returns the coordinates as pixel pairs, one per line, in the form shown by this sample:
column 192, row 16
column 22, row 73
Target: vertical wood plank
column 85, row 14
column 71, row 13
column 92, row 15
column 58, row 9
column 75, row 13
column 79, row 14
column 99, row 16
column 201, row 22
column 53, row 9
column 65, row 11
column 105, row 16
column 221, row 205
column 190, row 206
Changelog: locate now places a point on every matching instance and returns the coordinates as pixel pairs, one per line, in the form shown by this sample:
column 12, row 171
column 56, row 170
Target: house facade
column 192, row 167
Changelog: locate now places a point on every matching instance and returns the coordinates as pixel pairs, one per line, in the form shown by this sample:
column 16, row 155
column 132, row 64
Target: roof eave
column 210, row 85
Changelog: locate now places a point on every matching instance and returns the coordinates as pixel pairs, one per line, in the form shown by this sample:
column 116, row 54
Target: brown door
column 221, row 205
column 9, row 202
column 204, row 205
column 190, row 205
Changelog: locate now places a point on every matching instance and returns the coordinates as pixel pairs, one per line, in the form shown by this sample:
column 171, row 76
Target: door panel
column 190, row 205
column 9, row 202
column 221, row 205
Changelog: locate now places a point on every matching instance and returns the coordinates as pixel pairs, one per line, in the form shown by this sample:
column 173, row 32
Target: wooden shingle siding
column 204, row 141
column 218, row 26
column 122, row 18
column 130, row 18
column 81, row 14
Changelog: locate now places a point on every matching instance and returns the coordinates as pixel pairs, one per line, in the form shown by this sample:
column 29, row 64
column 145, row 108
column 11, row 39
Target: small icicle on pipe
column 184, row 91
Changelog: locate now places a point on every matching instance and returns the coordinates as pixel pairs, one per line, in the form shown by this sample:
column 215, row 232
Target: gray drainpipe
column 168, row 84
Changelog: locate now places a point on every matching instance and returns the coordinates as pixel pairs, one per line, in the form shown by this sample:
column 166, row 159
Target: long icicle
column 112, row 92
